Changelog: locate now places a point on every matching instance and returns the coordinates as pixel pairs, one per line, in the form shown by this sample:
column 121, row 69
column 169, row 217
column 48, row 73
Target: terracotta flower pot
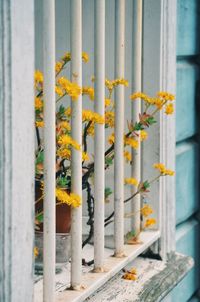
column 63, row 213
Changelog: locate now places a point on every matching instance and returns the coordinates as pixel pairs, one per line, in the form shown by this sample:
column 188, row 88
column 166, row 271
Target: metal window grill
column 105, row 266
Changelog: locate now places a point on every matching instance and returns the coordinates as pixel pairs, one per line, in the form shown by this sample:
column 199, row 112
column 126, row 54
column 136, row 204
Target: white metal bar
column 99, row 178
column 136, row 105
column 119, row 129
column 49, row 149
column 76, row 159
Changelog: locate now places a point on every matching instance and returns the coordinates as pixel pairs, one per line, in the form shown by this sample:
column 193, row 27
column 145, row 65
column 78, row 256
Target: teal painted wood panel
column 187, row 180
column 188, row 27
column 186, row 122
column 187, row 241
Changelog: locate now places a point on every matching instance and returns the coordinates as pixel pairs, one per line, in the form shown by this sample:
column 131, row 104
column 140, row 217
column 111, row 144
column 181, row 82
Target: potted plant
column 135, row 134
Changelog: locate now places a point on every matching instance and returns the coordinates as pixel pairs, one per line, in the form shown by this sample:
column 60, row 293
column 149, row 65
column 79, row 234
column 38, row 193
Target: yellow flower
column 68, row 112
column 149, row 222
column 130, row 275
column 65, row 125
column 88, row 115
column 131, row 181
column 85, row 57
column 71, row 88
column 146, row 210
column 158, row 103
column 64, row 153
column 121, row 81
column 58, row 67
column 39, row 124
column 169, row 109
column 59, row 90
column 143, row 135
column 127, row 156
column 85, row 156
column 162, row 169
column 111, row 139
column 138, row 95
column 88, row 91
column 107, row 102
column 110, row 118
column 38, row 77
column 169, row 172
column 67, row 140
column 36, row 251
column 67, row 57
column 166, row 96
column 131, row 142
column 71, row 199
column 38, row 103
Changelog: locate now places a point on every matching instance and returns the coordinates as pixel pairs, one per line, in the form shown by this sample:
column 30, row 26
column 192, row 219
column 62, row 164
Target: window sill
column 94, row 281
column 155, row 280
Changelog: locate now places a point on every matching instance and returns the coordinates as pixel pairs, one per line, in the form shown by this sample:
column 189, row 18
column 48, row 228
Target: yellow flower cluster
column 86, row 90
column 66, row 140
column 132, row 142
column 90, row 130
column 111, row 139
column 130, row 275
column 38, row 77
column 70, row 88
column 169, row 109
column 127, row 156
column 107, row 102
column 162, row 169
column 146, row 210
column 88, row 115
column 71, row 199
column 110, row 118
column 131, row 181
column 58, row 67
column 166, row 96
column 143, row 135
column 111, row 84
column 39, row 124
column 38, row 103
column 65, row 125
column 149, row 222
column 68, row 111
column 139, row 95
column 64, row 153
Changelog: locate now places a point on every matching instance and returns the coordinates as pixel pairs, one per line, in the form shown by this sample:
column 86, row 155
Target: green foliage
column 108, row 192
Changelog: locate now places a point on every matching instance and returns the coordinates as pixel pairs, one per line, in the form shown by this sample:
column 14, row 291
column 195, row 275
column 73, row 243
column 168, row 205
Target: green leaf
column 130, row 234
column 61, row 110
column 150, row 120
column 107, row 192
column 63, row 181
column 108, row 161
column 146, row 184
column 40, row 157
column 138, row 126
column 40, row 217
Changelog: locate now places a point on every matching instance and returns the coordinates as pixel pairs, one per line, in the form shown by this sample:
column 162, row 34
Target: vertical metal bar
column 49, row 149
column 99, row 37
column 136, row 105
column 76, row 159
column 119, row 129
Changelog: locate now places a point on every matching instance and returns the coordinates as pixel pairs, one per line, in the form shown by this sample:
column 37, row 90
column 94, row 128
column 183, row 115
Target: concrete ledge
column 156, row 279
